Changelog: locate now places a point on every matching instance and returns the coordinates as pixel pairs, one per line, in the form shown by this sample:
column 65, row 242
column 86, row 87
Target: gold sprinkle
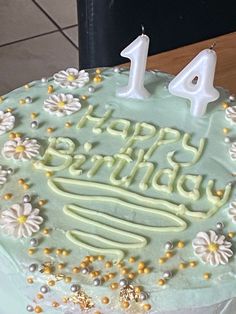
column 68, row 124
column 47, row 270
column 26, row 186
column 137, row 289
column 169, row 254
column 105, row 300
column 162, row 260
column 50, row 89
column 207, row 276
column 106, row 278
column 97, row 312
column 7, row 196
column 84, row 264
column 124, row 271
column 46, row 231
column 12, row 135
column 120, row 265
column 65, row 300
column 67, row 279
column 141, row 265
column 161, row 282
column 22, row 101
column 33, row 115
column 108, row 264
column 49, row 173
column 42, row 202
column 9, row 110
column 1, row 99
column 220, row 193
column 51, row 283
column 132, row 275
column 84, row 97
column 18, row 134
column 132, row 259
column 76, row 270
column 147, row 307
column 47, row 250
column 114, row 285
column 193, row 264
column 225, row 130
column 30, row 280
column 55, row 304
column 182, row 265
column 125, row 304
column 147, row 270
column 61, row 266
column 58, row 251
column 140, row 270
column 31, row 251
column 97, row 78
column 92, row 259
column 112, row 275
column 98, row 71
column 65, row 253
column 50, row 130
column 231, row 234
column 128, row 293
column 40, row 296
column 181, row 244
column 38, row 309
column 225, row 105
column 21, row 181
column 27, row 86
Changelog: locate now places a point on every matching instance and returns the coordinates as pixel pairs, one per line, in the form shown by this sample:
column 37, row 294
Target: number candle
column 195, row 82
column 137, row 52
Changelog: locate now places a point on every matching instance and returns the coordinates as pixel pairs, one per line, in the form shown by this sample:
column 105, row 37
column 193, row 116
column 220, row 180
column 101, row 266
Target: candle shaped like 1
column 137, row 52
column 195, row 82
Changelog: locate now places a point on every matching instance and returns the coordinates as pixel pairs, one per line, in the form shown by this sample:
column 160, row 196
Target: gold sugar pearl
column 124, row 271
column 147, row 307
column 225, row 105
column 108, row 264
column 1, row 99
column 231, row 234
column 22, row 101
column 84, row 97
column 9, row 110
column 225, row 130
column 59, row 251
column 140, row 270
column 207, row 276
column 97, row 78
column 105, row 300
column 75, row 270
column 21, row 181
column 50, row 89
column 169, row 254
column 132, row 259
column 84, row 264
column 182, row 265
column 161, row 260
column 65, row 300
column 46, row 231
column 120, row 265
column 27, row 86
column 47, row 251
column 55, row 304
column 42, row 202
column 106, row 277
column 125, row 304
column 68, row 279
column 31, row 251
column 18, row 134
column 50, row 130
column 93, row 274
column 97, row 312
column 98, row 71
column 137, row 289
column 51, row 283
column 181, row 244
column 47, row 270
column 39, row 296
column 61, row 266
column 97, row 273
column 114, row 285
column 193, row 264
column 49, row 174
column 92, row 259
column 220, row 193
column 68, row 124
column 7, row 196
column 65, row 253
column 112, row 275
column 26, row 186
column 132, row 275
column 38, row 309
column 12, row 135
column 33, row 115
column 161, row 282
column 30, row 280
column 147, row 270
column 141, row 265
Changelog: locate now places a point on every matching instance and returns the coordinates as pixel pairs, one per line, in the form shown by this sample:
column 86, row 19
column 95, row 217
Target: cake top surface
column 141, row 182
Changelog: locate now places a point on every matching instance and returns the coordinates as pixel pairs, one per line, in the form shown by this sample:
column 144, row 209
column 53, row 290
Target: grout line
column 28, row 38
column 67, row 27
column 55, row 23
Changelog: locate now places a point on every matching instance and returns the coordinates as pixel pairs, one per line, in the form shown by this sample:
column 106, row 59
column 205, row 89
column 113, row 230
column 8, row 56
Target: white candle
column 195, row 82
column 137, row 52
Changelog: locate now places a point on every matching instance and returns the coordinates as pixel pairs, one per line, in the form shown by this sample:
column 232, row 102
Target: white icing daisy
column 71, row 78
column 7, row 121
column 212, row 248
column 21, row 220
column 232, row 151
column 232, row 211
column 230, row 114
column 62, row 104
column 21, row 149
column 3, row 176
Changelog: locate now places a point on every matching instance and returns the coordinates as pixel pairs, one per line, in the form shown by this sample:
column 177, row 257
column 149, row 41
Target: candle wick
column 213, row 45
column 143, row 30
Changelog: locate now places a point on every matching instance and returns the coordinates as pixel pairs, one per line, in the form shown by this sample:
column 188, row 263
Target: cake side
column 118, row 178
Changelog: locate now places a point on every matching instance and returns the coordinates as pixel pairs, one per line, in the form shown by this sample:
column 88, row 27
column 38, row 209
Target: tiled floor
column 37, row 38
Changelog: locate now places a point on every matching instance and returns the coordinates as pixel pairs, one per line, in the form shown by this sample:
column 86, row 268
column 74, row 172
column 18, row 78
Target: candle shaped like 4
column 137, row 52
column 195, row 82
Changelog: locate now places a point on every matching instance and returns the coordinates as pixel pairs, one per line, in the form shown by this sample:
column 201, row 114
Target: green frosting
column 126, row 177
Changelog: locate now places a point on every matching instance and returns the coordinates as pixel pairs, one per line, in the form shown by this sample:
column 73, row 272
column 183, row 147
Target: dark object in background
column 108, row 26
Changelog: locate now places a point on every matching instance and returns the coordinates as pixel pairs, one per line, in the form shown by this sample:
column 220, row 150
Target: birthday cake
column 115, row 205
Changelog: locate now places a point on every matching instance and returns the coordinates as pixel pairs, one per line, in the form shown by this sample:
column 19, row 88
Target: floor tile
column 32, row 59
column 63, row 12
column 72, row 33
column 22, row 19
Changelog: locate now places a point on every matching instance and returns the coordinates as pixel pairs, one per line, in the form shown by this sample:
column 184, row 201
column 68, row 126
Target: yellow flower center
column 70, row 77
column 61, row 104
column 20, row 148
column 22, row 219
column 213, row 247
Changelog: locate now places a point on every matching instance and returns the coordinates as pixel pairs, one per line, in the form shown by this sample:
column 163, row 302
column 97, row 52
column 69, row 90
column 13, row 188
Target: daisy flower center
column 71, row 77
column 213, row 247
column 61, row 104
column 22, row 219
column 20, row 148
